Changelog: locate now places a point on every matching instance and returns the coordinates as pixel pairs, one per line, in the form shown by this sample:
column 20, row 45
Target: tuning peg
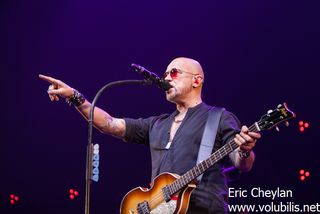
column 287, row 123
column 277, row 128
column 269, row 111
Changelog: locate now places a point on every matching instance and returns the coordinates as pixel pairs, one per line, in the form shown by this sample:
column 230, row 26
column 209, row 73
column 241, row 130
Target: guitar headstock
column 276, row 116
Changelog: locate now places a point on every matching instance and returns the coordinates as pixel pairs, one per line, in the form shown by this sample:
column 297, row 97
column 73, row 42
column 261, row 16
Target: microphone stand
column 90, row 120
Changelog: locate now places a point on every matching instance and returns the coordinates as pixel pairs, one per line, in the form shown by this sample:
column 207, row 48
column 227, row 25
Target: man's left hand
column 246, row 139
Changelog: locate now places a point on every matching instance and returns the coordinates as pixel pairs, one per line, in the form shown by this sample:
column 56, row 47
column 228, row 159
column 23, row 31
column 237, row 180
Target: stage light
column 73, row 194
column 303, row 174
column 303, row 125
column 13, row 199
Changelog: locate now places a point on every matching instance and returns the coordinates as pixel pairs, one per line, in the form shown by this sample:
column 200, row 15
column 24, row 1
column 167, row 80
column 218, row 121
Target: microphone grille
column 137, row 68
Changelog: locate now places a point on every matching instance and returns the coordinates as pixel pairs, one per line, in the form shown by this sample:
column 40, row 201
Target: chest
column 173, row 130
column 182, row 136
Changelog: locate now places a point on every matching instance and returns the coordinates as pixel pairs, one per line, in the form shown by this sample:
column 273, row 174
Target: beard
column 171, row 95
column 176, row 95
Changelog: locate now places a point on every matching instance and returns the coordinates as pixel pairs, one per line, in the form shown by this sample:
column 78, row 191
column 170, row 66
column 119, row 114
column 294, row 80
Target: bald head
column 187, row 85
column 187, row 64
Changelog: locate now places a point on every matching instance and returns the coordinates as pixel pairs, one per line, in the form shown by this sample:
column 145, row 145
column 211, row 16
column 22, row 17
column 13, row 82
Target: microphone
column 161, row 83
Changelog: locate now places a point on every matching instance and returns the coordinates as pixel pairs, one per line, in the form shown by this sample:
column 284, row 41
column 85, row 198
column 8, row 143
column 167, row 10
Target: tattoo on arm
column 114, row 126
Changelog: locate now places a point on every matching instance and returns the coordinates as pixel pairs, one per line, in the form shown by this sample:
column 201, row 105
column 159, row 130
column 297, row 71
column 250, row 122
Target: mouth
column 169, row 90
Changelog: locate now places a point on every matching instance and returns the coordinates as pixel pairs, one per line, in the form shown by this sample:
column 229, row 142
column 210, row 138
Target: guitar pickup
column 143, row 208
column 166, row 194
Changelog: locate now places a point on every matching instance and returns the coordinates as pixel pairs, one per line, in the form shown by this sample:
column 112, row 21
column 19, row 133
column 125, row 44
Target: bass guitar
column 168, row 186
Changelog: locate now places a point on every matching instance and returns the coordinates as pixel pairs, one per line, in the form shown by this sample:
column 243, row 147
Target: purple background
column 255, row 54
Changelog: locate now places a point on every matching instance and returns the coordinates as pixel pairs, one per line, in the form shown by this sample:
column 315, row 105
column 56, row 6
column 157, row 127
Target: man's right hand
column 57, row 88
column 104, row 122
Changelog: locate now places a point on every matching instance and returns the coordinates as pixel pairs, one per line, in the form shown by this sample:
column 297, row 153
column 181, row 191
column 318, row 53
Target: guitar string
column 221, row 152
column 159, row 194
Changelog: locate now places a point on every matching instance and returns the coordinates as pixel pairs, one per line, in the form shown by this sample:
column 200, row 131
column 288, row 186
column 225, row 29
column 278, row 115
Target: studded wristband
column 77, row 99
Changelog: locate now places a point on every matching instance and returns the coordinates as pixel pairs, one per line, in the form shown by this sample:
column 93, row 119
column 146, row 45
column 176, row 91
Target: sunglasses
column 174, row 73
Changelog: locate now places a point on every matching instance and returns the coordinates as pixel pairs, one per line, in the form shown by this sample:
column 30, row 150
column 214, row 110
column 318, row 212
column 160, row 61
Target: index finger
column 256, row 135
column 48, row 79
column 244, row 129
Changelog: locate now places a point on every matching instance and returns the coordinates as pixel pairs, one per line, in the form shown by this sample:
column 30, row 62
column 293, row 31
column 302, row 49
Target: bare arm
column 103, row 121
column 246, row 140
column 241, row 163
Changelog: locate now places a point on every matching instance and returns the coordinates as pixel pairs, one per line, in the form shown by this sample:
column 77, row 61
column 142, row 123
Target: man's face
column 181, row 79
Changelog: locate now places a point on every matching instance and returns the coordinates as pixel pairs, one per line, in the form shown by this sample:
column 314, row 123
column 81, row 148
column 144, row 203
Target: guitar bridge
column 143, row 208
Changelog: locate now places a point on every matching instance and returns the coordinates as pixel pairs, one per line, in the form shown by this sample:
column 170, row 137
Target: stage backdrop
column 255, row 54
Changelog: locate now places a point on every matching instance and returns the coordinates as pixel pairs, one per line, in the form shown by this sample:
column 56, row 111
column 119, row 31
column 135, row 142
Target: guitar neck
column 200, row 168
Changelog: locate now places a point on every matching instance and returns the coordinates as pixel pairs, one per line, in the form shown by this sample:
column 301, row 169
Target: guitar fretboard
column 200, row 168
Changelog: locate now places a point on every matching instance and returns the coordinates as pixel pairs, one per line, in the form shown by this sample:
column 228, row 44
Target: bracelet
column 244, row 155
column 77, row 99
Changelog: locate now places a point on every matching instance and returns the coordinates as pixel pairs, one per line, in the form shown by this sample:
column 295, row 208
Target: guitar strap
column 209, row 135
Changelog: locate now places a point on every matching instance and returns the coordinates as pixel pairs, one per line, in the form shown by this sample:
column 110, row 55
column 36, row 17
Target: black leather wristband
column 77, row 99
column 244, row 154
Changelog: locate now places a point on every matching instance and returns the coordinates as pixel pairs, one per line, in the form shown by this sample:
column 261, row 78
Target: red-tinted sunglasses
column 174, row 73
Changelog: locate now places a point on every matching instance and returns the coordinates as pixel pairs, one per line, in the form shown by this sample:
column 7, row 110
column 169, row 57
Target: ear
column 197, row 81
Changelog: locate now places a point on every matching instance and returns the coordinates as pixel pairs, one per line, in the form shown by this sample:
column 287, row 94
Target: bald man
column 174, row 139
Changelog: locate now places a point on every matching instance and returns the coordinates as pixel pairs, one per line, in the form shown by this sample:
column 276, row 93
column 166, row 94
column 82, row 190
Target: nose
column 168, row 77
